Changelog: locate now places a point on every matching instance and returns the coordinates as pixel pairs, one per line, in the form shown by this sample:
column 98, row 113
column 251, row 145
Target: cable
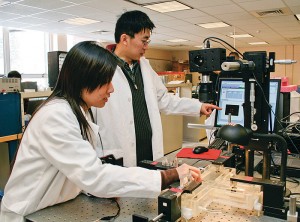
column 285, row 134
column 294, row 194
column 267, row 102
column 221, row 44
column 290, row 116
column 210, row 38
column 211, row 134
column 108, row 218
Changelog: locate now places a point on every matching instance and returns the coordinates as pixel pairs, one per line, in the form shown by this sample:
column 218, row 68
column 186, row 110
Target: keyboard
column 292, row 161
column 218, row 143
column 292, row 168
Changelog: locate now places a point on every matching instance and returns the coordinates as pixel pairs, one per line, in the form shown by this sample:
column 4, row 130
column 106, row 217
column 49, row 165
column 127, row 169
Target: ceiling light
column 241, row 36
column 79, row 21
column 170, row 6
column 101, row 32
column 258, row 43
column 198, row 46
column 213, row 25
column 177, row 40
column 298, row 16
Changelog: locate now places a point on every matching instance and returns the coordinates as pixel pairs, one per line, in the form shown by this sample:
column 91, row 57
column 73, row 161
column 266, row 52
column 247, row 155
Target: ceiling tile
column 292, row 2
column 201, row 4
column 54, row 16
column 174, row 23
column 48, row 5
column 186, row 13
column 31, row 20
column 262, row 5
column 80, row 11
column 20, row 9
column 32, row 14
column 6, row 16
column 202, row 19
column 222, row 8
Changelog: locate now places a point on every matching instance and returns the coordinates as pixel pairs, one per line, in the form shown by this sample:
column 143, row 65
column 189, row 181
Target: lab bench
column 91, row 209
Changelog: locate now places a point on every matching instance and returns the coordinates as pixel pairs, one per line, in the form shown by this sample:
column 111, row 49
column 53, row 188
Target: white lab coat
column 54, row 164
column 116, row 119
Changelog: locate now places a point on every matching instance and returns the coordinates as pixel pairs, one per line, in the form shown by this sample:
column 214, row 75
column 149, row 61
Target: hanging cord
column 113, row 217
column 221, row 40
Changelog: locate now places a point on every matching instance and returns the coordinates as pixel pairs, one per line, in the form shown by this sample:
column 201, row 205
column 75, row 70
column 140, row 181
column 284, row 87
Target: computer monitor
column 232, row 96
column 28, row 86
column 274, row 99
column 31, row 105
column 231, row 99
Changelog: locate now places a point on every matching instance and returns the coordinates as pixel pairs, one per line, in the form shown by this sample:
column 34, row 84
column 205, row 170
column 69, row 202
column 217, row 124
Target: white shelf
column 25, row 95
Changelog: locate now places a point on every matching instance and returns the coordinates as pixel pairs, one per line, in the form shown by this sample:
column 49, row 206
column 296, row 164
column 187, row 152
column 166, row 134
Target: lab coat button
column 129, row 100
column 131, row 122
column 132, row 144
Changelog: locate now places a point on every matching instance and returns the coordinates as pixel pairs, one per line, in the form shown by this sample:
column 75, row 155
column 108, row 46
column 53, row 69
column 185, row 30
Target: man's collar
column 122, row 62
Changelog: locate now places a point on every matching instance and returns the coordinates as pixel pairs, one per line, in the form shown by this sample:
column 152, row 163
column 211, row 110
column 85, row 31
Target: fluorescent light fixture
column 198, row 46
column 169, row 6
column 258, row 43
column 101, row 32
column 298, row 16
column 79, row 21
column 213, row 25
column 241, row 36
column 177, row 40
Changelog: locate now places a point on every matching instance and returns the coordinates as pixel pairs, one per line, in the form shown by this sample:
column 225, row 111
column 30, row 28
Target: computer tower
column 55, row 61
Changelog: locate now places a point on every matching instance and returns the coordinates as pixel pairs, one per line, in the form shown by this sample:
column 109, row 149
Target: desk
column 12, row 141
column 10, row 137
column 90, row 209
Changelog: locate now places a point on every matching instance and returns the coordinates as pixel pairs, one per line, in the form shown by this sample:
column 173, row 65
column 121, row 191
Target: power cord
column 109, row 218
column 221, row 40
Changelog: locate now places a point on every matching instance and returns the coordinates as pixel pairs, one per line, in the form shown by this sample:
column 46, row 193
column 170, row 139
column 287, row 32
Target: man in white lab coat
column 140, row 96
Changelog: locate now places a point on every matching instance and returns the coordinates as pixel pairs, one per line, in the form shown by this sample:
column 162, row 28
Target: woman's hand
column 186, row 170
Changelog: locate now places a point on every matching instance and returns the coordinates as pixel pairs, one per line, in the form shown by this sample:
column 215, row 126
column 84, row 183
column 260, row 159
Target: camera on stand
column 206, row 61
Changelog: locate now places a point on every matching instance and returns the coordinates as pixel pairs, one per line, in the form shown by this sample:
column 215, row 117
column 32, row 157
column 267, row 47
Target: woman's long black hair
column 86, row 66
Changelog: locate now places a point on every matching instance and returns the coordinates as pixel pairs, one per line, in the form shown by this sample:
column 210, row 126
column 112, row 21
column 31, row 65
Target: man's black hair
column 132, row 22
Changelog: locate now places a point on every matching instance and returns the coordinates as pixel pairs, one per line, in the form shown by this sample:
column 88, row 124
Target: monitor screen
column 30, row 105
column 29, row 86
column 274, row 102
column 231, row 99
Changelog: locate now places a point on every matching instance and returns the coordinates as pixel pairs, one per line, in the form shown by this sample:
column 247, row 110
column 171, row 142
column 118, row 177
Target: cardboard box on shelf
column 172, row 76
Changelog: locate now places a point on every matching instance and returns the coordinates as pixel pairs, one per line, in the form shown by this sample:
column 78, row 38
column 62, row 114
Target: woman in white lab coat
column 57, row 159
